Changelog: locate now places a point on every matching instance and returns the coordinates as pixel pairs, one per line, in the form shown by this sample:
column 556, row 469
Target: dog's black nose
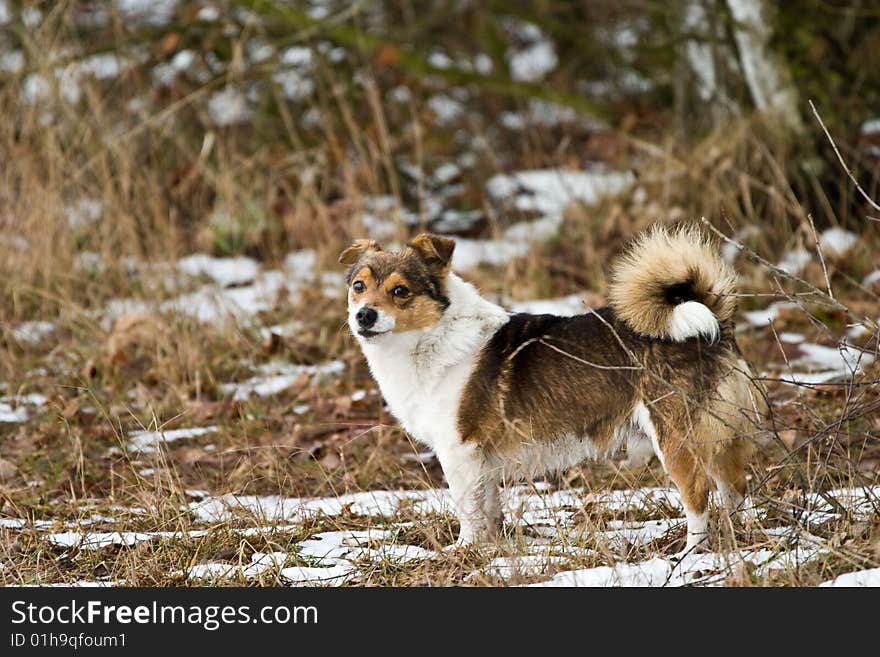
column 366, row 317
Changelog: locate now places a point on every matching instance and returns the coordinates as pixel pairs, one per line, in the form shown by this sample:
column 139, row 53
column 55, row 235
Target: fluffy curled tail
column 671, row 284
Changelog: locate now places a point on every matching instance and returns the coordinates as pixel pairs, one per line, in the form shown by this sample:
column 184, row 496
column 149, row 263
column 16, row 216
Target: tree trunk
column 768, row 78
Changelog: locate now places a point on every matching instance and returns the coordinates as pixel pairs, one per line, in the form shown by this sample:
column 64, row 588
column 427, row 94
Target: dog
column 501, row 396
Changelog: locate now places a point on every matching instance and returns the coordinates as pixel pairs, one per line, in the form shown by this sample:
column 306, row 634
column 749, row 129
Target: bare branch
column 821, row 255
column 840, row 158
column 784, row 274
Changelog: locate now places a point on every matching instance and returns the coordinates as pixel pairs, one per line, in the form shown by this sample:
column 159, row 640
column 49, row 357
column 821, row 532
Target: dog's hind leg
column 729, row 432
column 690, row 478
column 686, row 471
column 473, row 489
column 728, row 470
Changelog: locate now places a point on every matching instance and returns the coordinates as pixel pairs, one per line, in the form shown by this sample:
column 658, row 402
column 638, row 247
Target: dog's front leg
column 473, row 489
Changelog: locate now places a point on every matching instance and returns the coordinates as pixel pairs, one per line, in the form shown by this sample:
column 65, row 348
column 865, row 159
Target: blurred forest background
column 177, row 178
column 257, row 126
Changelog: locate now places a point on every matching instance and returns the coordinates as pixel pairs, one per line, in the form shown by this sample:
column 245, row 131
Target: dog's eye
column 358, row 286
column 400, row 291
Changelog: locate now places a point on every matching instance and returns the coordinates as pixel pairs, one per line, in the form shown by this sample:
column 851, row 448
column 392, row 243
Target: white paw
column 463, row 541
column 696, row 543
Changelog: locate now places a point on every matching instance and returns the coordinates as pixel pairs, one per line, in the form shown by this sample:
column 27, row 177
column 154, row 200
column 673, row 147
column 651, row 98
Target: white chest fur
column 422, row 373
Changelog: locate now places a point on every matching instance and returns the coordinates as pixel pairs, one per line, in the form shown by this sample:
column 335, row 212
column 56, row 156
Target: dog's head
column 396, row 291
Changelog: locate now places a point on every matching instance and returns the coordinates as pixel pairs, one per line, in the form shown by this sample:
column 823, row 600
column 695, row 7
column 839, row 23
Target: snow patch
column 762, row 318
column 439, row 59
column 260, row 563
column 824, row 364
column 547, row 192
column 837, row 242
column 624, row 533
column 13, row 410
column 228, row 107
column 84, row 212
column 149, row 12
column 446, row 109
column 149, row 441
column 567, row 306
column 31, row 17
column 276, row 377
column 446, row 173
column 11, row 415
column 13, row 61
column 215, row 304
column 35, row 88
column 840, row 357
column 793, row 262
column 32, row 332
column 542, row 113
column 274, row 509
column 98, row 540
column 103, row 66
column 550, row 190
column 527, row 565
column 332, row 575
column 225, row 272
column 483, row 64
column 208, row 14
column 870, row 577
column 182, row 61
column 470, row 253
column 210, row 304
column 534, row 61
column 653, row 572
column 729, row 250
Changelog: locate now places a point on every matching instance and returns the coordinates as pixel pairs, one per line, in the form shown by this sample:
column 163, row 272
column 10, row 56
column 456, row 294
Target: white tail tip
column 691, row 319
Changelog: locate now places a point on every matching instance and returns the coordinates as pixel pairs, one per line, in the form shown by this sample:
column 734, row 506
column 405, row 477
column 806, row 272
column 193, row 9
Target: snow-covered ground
column 547, row 553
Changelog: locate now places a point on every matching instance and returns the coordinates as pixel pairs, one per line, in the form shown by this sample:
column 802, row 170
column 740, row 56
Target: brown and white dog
column 499, row 396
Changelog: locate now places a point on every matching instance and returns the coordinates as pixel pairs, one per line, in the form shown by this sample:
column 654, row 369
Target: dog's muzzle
column 368, row 322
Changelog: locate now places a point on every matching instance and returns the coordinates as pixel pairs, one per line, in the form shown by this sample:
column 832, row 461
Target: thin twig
column 821, row 255
column 840, row 158
column 781, row 272
column 586, row 362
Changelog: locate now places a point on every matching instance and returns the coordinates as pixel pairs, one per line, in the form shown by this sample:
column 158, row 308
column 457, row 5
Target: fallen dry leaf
column 204, row 411
column 134, row 336
column 788, row 438
column 7, row 470
column 330, row 460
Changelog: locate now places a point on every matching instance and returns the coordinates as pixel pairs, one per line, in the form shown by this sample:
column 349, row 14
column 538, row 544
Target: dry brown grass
column 165, row 179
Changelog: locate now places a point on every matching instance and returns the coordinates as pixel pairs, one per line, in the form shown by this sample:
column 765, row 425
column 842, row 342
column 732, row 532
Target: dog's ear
column 359, row 247
column 435, row 250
